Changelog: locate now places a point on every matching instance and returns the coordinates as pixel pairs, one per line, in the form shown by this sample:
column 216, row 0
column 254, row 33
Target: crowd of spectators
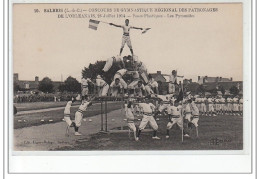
column 42, row 97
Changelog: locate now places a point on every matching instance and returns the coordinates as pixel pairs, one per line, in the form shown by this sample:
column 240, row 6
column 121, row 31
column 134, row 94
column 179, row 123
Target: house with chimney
column 27, row 85
column 158, row 76
column 162, row 81
column 207, row 79
column 210, row 83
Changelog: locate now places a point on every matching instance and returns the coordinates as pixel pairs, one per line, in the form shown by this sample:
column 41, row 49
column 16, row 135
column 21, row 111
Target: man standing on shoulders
column 126, row 35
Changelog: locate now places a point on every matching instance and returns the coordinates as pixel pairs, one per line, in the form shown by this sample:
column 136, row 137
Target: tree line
column 71, row 84
column 46, row 85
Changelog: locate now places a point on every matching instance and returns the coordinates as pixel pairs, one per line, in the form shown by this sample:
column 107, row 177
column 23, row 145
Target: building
column 27, row 85
column 162, row 81
column 223, row 85
column 158, row 76
column 187, row 81
column 206, row 79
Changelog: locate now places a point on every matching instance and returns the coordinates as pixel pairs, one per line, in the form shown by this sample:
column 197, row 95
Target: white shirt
column 136, row 75
column 169, row 96
column 122, row 72
column 210, row 100
column 142, row 68
column 84, row 106
column 147, row 108
column 222, row 100
column 235, row 100
column 173, row 110
column 194, row 109
column 163, row 97
column 153, row 83
column 241, row 101
column 129, row 114
column 100, row 82
column 173, row 79
column 67, row 108
column 117, row 58
column 187, row 108
column 203, row 100
column 229, row 100
column 197, row 100
column 84, row 81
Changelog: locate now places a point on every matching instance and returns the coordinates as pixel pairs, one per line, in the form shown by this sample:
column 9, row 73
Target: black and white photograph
column 127, row 77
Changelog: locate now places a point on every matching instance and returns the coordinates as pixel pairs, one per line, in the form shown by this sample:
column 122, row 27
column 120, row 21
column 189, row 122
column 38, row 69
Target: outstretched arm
column 137, row 28
column 115, row 25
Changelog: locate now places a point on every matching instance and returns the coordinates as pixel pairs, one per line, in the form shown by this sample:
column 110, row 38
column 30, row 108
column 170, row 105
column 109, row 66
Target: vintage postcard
column 144, row 78
column 127, row 77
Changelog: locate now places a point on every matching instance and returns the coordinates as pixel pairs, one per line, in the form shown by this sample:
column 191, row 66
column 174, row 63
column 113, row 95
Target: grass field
column 34, row 119
column 39, row 105
column 215, row 133
column 42, row 105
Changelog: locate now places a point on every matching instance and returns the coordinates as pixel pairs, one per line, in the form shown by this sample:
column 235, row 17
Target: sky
column 206, row 44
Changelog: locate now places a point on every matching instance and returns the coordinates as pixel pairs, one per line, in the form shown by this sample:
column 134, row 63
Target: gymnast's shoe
column 77, row 134
column 157, row 138
column 186, row 135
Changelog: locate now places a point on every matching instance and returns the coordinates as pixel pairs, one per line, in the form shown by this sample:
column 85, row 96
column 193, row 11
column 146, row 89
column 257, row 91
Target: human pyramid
column 142, row 86
column 142, row 97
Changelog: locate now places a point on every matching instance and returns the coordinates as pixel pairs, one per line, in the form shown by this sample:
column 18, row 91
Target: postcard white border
column 235, row 161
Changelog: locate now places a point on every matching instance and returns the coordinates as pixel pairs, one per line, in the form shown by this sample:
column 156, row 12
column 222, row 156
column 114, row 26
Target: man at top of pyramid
column 126, row 38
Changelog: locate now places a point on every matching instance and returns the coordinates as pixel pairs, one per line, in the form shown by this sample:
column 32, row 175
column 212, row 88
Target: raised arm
column 115, row 25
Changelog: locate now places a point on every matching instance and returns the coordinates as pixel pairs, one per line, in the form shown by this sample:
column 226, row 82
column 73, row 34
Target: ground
column 215, row 133
column 33, row 114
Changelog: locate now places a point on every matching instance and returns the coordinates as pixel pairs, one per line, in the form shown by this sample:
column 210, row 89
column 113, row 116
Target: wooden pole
column 122, row 109
column 101, row 103
column 104, row 22
column 182, row 113
column 106, row 114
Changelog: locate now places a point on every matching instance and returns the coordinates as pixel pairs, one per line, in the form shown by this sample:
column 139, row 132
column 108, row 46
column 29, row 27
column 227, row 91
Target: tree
column 222, row 89
column 72, row 85
column 234, row 90
column 16, row 87
column 46, row 85
column 62, row 87
column 201, row 89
